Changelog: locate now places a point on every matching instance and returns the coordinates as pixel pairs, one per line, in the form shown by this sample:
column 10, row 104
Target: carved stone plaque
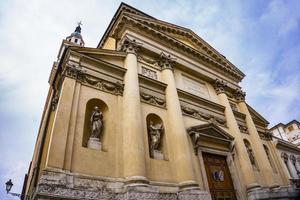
column 195, row 88
column 149, row 73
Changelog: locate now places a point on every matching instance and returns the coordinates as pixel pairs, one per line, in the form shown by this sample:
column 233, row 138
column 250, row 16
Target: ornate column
column 180, row 152
column 260, row 154
column 241, row 151
column 133, row 145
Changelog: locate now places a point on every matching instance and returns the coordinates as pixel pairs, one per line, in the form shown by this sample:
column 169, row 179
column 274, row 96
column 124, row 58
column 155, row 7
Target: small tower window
column 76, row 40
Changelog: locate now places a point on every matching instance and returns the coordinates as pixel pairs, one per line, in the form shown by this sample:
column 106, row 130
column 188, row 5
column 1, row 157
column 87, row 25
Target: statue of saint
column 96, row 123
column 250, row 154
column 155, row 132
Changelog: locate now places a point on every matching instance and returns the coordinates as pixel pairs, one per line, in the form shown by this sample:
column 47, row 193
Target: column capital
column 239, row 95
column 130, row 45
column 220, row 86
column 166, row 61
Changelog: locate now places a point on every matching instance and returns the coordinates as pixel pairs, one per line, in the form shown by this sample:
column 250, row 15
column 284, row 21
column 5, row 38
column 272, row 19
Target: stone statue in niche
column 250, row 154
column 96, row 125
column 155, row 133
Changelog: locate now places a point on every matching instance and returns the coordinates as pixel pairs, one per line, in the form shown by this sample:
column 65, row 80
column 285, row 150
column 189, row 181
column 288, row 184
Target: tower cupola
column 76, row 36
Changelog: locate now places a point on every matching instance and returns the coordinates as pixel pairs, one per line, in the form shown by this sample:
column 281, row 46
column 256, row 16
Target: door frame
column 235, row 176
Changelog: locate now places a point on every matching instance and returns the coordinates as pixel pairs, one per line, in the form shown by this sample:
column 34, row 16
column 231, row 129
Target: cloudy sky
column 262, row 38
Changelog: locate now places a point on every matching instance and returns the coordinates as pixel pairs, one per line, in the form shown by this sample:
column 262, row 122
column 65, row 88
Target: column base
column 253, row 186
column 136, row 181
column 158, row 155
column 188, row 185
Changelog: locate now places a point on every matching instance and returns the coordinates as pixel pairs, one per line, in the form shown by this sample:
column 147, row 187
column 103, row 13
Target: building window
column 76, row 40
column 290, row 128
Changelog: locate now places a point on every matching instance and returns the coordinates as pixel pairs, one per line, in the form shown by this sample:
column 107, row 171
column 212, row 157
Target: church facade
column 153, row 112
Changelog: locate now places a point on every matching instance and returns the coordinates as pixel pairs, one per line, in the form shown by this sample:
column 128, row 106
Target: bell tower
column 76, row 36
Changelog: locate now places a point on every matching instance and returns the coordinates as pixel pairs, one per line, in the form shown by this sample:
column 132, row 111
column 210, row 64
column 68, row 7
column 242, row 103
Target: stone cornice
column 80, row 75
column 187, row 50
column 190, row 112
column 151, row 84
column 287, row 146
column 239, row 115
column 186, row 33
column 199, row 101
column 167, row 29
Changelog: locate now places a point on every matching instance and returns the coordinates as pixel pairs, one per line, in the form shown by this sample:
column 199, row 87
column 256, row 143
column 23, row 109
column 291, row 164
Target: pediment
column 176, row 36
column 210, row 135
column 210, row 130
column 183, row 35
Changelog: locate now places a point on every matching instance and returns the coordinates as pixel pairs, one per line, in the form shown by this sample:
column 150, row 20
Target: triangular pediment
column 176, row 36
column 183, row 35
column 210, row 136
column 210, row 130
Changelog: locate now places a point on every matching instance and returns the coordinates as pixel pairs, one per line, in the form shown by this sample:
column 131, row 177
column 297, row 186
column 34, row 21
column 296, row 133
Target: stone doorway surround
column 232, row 169
column 210, row 138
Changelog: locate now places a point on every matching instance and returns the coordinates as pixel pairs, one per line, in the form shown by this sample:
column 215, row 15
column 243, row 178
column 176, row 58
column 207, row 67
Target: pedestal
column 94, row 143
column 158, row 155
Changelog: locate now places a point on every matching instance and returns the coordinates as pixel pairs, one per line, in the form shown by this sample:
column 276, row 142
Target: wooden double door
column 218, row 177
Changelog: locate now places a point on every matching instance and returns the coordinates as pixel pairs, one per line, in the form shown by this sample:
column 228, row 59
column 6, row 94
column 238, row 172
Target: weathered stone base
column 158, row 155
column 283, row 192
column 63, row 185
column 94, row 143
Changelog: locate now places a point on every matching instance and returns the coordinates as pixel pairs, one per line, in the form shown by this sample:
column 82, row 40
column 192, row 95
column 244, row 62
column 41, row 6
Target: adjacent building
column 152, row 112
column 288, row 132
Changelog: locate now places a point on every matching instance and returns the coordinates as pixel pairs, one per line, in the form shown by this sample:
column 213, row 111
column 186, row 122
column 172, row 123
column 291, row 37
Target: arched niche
column 156, row 137
column 269, row 157
column 90, row 105
column 250, row 153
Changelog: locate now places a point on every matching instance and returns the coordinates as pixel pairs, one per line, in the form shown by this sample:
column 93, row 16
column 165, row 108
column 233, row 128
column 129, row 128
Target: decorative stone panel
column 65, row 185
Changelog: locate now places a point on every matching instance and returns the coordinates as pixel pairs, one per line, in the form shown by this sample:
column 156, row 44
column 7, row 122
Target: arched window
column 250, row 153
column 96, row 113
column 155, row 130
